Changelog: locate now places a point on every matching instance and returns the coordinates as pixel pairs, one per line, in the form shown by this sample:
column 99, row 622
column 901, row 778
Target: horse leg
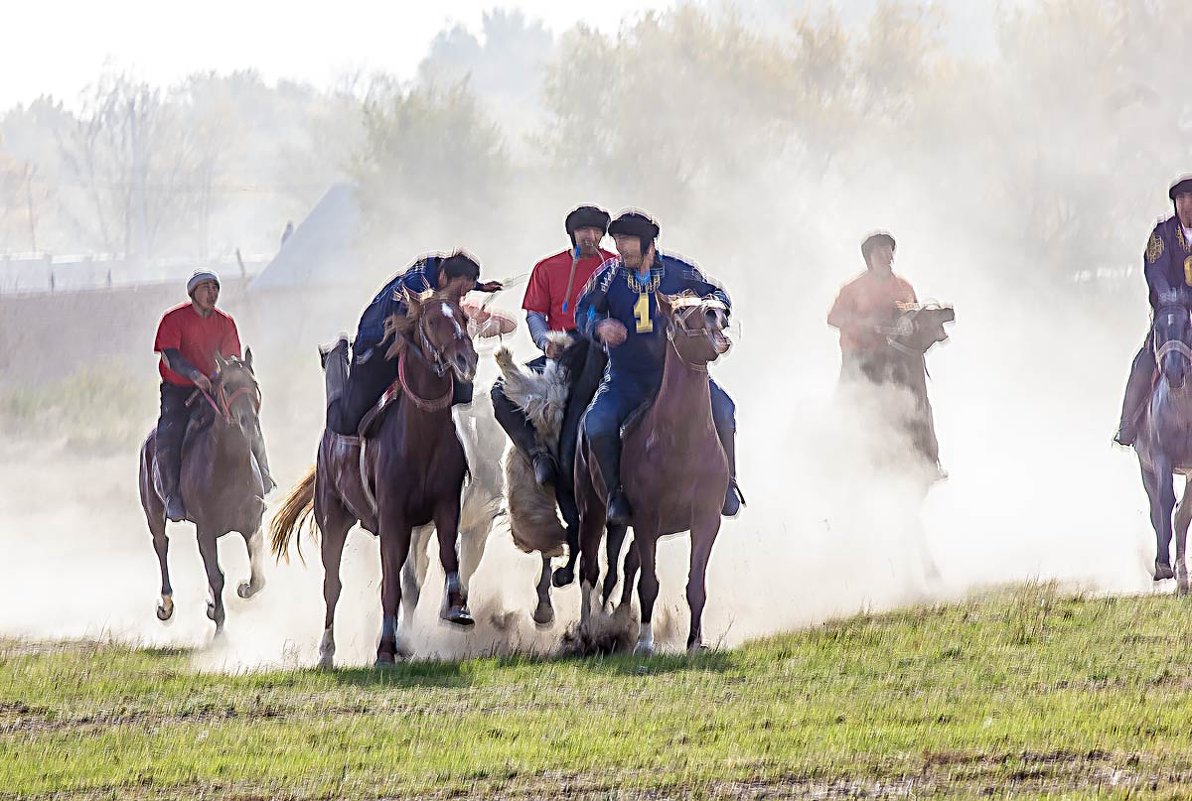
column 592, row 521
column 395, row 547
column 1161, row 492
column 703, row 536
column 215, row 578
column 1183, row 515
column 334, row 523
column 647, row 587
column 568, row 508
column 413, row 574
column 544, row 613
column 455, row 599
column 633, row 563
column 161, row 544
column 255, row 543
column 472, row 541
column 615, row 538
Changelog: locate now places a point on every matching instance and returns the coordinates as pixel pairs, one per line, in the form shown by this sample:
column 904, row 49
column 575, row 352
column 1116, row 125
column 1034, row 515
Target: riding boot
column 733, row 499
column 523, row 436
column 607, row 452
column 334, row 360
column 1138, row 390
column 169, row 465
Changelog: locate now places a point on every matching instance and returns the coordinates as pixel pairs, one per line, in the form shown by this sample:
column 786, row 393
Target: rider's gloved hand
column 490, row 286
column 611, row 332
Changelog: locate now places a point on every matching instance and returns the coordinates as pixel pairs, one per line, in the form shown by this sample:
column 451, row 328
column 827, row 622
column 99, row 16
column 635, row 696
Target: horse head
column 696, row 327
column 1172, row 342
column 236, row 393
column 927, row 327
column 437, row 328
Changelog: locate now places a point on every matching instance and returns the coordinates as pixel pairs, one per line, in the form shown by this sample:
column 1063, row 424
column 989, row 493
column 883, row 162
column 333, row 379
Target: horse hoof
column 562, row 577
column 459, row 617
column 326, row 662
column 1163, row 571
column 643, row 649
column 544, row 615
column 165, row 611
column 385, row 661
column 697, row 648
column 246, row 589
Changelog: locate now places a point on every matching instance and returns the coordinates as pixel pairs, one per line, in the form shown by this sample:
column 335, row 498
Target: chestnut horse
column 413, row 472
column 220, row 481
column 674, row 470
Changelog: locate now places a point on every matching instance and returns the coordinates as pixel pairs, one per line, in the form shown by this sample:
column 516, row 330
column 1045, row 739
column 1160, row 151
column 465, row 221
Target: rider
column 188, row 338
column 868, row 306
column 866, row 311
column 618, row 308
column 351, row 393
column 551, row 296
column 1168, row 271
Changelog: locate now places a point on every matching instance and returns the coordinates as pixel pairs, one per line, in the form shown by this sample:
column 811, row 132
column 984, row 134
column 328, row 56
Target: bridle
column 681, row 309
column 1171, row 345
column 434, row 361
column 222, row 401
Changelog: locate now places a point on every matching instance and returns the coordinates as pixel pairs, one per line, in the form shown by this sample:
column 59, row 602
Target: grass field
column 1026, row 692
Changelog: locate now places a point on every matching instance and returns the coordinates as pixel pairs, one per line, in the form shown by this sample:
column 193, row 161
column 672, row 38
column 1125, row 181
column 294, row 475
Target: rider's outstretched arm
column 176, row 362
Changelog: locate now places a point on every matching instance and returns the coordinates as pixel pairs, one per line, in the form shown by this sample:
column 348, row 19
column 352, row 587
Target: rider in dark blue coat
column 619, row 308
column 1167, row 266
column 351, row 393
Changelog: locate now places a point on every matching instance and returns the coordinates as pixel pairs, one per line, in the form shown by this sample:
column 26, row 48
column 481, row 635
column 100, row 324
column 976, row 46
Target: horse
column 220, row 480
column 409, row 475
column 1164, row 442
column 553, row 400
column 674, row 470
column 901, row 362
column 480, row 506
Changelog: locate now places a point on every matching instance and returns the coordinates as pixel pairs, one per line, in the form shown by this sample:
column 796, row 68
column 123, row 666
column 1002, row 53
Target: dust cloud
column 1025, row 395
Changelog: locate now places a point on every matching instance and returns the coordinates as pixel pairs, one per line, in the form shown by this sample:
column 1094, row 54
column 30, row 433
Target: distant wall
column 48, row 337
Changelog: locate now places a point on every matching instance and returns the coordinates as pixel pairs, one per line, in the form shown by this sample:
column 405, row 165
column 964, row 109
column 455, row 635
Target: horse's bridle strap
column 1173, row 346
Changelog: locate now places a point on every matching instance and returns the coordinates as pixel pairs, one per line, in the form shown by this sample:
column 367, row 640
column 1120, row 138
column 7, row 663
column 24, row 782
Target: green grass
column 1028, row 693
column 102, row 409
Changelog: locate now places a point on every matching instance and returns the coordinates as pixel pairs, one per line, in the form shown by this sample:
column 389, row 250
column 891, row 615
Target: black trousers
column 171, row 428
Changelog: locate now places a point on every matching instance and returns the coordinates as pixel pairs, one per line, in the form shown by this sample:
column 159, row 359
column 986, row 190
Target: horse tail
column 294, row 514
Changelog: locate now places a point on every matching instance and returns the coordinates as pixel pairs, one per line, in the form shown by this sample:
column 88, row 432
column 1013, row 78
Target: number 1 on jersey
column 641, row 310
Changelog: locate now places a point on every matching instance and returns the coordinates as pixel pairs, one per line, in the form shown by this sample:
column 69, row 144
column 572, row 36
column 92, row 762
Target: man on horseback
column 189, row 337
column 550, row 303
column 352, row 391
column 868, row 310
column 1167, row 267
column 619, row 309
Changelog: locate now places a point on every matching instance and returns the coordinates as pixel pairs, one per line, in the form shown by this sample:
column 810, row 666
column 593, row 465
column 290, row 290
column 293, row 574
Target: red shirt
column 197, row 338
column 548, row 287
column 870, row 296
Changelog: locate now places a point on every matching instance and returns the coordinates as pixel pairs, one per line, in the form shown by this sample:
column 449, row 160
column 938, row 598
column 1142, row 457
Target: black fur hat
column 586, row 217
column 1182, row 185
column 875, row 239
column 635, row 223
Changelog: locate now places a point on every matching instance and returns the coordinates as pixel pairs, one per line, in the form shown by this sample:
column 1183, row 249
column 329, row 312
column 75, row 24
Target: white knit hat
column 199, row 277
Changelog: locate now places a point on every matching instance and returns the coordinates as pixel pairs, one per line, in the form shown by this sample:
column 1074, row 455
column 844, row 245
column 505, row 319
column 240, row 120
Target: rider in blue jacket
column 1168, row 270
column 619, row 309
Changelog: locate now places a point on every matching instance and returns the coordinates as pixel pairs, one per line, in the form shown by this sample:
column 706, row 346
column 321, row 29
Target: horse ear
column 248, row 358
column 220, row 362
column 413, row 303
column 665, row 303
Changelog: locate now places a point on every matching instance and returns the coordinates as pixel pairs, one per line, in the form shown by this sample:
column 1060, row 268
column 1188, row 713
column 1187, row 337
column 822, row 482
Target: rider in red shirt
column 554, row 289
column 188, row 338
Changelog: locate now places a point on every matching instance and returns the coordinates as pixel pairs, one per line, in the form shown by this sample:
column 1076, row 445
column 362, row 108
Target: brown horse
column 674, row 470
column 220, row 481
column 409, row 474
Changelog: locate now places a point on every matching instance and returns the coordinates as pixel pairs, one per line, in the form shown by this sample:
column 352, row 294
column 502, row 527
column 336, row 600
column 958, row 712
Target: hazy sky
column 58, row 47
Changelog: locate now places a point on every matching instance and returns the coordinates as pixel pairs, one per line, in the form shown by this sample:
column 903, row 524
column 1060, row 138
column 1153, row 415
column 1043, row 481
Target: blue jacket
column 1167, row 263
column 421, row 277
column 609, row 294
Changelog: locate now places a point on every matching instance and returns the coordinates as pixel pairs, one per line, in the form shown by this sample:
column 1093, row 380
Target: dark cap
column 586, row 217
column 1182, row 186
column 634, row 223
